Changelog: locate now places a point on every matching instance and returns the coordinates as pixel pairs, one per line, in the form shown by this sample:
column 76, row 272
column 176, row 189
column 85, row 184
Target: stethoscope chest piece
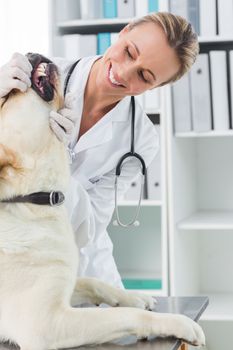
column 118, row 173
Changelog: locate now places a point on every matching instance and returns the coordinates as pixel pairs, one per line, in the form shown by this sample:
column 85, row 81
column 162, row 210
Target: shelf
column 144, row 203
column 217, row 39
column 93, row 26
column 220, row 307
column 208, row 220
column 212, row 133
column 142, row 283
column 93, row 22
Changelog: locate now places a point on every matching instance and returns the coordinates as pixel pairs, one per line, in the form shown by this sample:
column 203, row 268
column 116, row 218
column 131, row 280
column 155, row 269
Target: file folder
column 125, row 8
column 90, row 9
column 208, row 28
column 154, row 175
column 77, row 45
column 225, row 18
column 218, row 67
column 201, row 94
column 103, row 42
column 110, row 8
column 181, row 102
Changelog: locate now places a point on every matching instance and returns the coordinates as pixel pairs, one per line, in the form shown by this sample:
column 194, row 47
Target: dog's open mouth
column 44, row 76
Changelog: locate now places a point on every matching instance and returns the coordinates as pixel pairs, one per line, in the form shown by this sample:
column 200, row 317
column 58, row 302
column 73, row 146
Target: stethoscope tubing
column 130, row 154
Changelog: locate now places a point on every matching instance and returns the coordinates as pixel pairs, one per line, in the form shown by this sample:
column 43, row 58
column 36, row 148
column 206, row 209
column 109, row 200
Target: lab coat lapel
column 102, row 132
column 95, row 136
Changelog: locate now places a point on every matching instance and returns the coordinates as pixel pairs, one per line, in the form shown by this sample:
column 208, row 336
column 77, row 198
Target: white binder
column 77, row 45
column 58, row 49
column 125, row 8
column 218, row 67
column 179, row 7
column 208, row 10
column 152, row 100
column 225, row 18
column 154, row 175
column 200, row 94
column 113, row 37
column 91, row 9
column 141, row 8
column 67, row 10
column 194, row 14
column 182, row 104
column 231, row 84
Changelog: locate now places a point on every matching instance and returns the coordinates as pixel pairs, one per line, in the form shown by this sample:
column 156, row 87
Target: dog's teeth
column 41, row 70
column 42, row 67
column 41, row 74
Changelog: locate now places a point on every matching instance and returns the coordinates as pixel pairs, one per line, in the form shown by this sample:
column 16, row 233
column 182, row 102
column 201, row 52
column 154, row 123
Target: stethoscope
column 119, row 165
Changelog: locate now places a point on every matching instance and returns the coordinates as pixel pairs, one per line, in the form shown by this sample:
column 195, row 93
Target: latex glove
column 15, row 74
column 64, row 121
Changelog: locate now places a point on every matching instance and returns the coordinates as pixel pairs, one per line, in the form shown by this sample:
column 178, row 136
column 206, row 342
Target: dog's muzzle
column 44, row 76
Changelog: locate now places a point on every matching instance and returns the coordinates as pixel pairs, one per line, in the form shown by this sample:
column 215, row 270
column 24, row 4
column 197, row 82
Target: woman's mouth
column 112, row 78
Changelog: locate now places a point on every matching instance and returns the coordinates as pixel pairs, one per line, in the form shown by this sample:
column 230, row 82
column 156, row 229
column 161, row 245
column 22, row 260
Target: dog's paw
column 90, row 290
column 136, row 299
column 184, row 328
column 125, row 298
column 140, row 300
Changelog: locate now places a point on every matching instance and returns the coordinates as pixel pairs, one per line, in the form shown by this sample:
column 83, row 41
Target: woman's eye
column 128, row 53
column 142, row 77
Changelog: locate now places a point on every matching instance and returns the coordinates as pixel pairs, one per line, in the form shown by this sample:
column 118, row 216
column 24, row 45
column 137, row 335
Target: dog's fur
column 38, row 253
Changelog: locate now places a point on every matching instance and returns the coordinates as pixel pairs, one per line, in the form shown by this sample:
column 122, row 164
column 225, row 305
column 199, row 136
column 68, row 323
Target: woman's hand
column 15, row 74
column 63, row 122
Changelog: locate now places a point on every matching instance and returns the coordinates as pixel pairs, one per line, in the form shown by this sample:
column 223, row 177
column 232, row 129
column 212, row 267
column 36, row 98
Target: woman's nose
column 126, row 72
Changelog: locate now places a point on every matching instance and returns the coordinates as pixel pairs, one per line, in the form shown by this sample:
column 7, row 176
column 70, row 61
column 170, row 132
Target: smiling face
column 141, row 59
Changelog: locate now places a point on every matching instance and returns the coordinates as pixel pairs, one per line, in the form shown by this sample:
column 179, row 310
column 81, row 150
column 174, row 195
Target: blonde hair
column 180, row 36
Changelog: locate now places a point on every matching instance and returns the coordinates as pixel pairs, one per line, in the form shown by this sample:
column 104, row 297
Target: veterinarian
column 96, row 124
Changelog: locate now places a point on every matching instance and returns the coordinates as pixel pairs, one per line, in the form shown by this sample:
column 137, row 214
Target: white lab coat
column 90, row 199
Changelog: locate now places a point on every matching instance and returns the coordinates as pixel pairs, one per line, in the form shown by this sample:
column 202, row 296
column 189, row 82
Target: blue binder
column 153, row 6
column 110, row 8
column 103, row 42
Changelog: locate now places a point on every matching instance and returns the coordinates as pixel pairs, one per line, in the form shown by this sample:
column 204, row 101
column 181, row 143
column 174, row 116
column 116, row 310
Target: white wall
column 24, row 27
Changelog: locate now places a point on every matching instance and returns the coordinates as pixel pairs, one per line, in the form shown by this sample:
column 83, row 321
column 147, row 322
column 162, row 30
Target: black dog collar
column 43, row 198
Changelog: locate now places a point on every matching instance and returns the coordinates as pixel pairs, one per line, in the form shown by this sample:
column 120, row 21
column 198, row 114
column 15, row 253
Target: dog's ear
column 9, row 162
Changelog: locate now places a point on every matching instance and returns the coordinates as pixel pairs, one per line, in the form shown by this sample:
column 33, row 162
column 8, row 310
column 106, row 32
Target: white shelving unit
column 200, row 192
column 144, row 203
column 140, row 252
column 184, row 240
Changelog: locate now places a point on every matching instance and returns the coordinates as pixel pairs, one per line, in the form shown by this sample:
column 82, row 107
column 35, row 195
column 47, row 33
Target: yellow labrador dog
column 38, row 253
